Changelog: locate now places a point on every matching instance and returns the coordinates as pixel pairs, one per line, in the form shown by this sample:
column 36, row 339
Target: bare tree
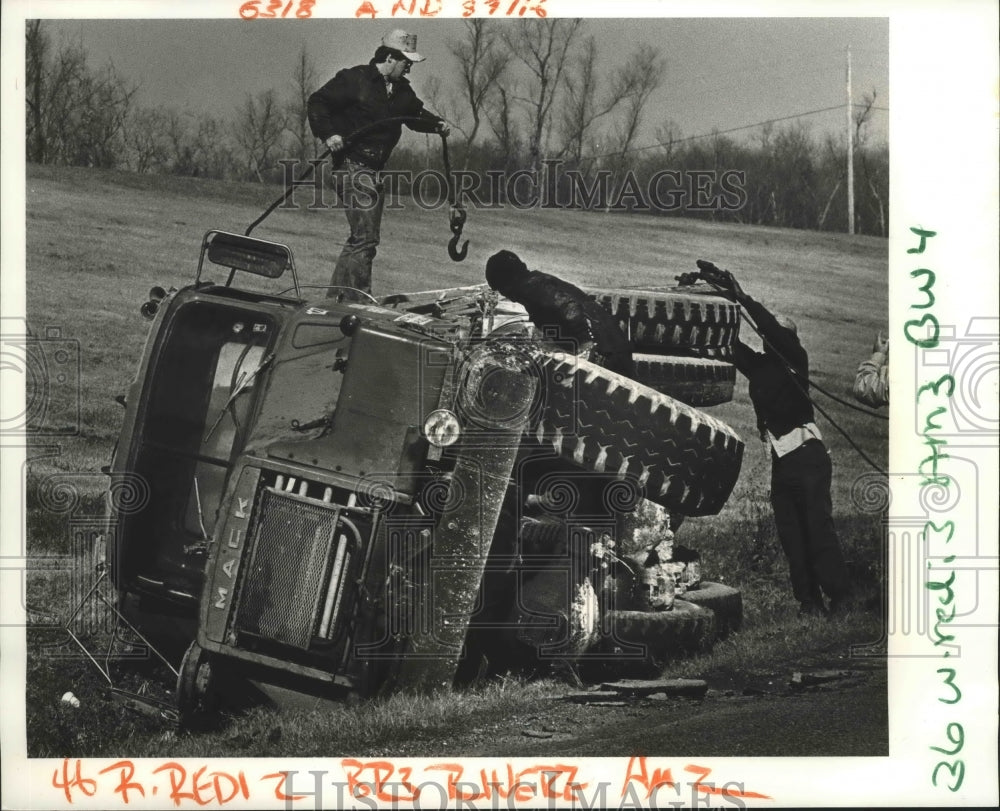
column 74, row 115
column 180, row 149
column 482, row 62
column 580, row 108
column 500, row 114
column 441, row 102
column 862, row 117
column 260, row 123
column 668, row 135
column 37, row 45
column 105, row 109
column 146, row 139
column 637, row 80
column 303, row 84
column 631, row 88
column 835, row 154
column 874, row 178
column 213, row 149
column 542, row 45
column 55, row 85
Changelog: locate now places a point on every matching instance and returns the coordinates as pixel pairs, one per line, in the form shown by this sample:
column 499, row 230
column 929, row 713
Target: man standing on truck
column 800, row 463
column 564, row 307
column 345, row 115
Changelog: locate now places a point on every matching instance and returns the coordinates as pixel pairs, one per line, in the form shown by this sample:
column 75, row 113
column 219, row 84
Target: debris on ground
column 644, row 688
column 810, row 678
column 596, row 697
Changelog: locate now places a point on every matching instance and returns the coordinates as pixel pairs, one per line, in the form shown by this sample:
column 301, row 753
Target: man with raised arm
column 345, row 114
column 801, row 470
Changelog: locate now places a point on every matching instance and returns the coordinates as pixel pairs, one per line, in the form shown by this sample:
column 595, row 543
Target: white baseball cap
column 404, row 42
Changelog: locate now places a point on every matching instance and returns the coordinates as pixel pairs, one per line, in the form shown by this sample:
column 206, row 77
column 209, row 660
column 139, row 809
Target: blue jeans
column 363, row 196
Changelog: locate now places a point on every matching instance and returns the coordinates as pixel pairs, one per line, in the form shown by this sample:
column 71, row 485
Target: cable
column 794, row 375
column 849, row 404
column 338, row 159
column 718, row 132
column 659, row 144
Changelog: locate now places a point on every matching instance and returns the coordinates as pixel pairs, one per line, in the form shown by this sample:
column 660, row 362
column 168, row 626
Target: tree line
column 526, row 98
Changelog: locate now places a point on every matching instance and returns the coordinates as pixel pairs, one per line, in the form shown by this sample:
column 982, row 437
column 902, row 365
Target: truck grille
column 303, row 549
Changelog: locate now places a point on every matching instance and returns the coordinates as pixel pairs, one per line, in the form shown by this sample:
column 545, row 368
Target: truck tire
column 677, row 456
column 686, row 627
column 663, row 320
column 556, row 618
column 639, row 644
column 542, row 536
column 692, row 380
column 724, row 601
column 723, row 353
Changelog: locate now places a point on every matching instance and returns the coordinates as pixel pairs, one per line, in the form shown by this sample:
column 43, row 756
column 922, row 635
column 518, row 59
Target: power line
column 719, row 132
column 731, row 129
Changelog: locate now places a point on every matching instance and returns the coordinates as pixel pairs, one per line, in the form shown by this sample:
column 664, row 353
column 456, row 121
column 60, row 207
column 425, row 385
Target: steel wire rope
column 308, row 173
column 687, row 138
column 795, row 379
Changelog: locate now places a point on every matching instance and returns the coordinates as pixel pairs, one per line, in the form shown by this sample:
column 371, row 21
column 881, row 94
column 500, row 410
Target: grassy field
column 96, row 243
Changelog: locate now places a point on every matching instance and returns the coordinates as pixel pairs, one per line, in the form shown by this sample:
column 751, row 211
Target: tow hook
column 457, row 224
column 456, row 217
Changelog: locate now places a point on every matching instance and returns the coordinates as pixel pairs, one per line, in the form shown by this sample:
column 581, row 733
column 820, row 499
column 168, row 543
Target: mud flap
column 464, row 535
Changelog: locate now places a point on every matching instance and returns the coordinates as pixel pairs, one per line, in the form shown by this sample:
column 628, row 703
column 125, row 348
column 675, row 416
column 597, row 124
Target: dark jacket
column 780, row 400
column 357, row 97
column 571, row 314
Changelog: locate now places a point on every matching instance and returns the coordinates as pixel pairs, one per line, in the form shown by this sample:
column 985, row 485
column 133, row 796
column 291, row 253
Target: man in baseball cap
column 345, row 114
column 403, row 42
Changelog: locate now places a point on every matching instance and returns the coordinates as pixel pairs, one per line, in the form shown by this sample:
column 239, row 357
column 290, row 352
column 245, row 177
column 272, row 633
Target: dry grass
column 96, row 243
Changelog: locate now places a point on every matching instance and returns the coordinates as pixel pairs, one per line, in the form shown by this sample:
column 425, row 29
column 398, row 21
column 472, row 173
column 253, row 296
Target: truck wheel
column 658, row 320
column 679, row 457
column 685, row 628
column 542, row 536
column 555, row 618
column 724, row 601
column 692, row 380
column 639, row 644
column 197, row 700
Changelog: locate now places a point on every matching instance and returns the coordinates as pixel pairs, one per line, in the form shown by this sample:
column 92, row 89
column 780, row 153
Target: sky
column 722, row 73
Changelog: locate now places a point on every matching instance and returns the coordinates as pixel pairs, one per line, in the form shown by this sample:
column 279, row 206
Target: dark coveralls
column 800, row 479
column 574, row 316
column 572, row 320
column 354, row 98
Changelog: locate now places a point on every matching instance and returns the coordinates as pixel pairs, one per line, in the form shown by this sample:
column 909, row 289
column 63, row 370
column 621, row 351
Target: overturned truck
column 352, row 498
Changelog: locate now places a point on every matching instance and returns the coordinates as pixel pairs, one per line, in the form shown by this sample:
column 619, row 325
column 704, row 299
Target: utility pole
column 850, row 148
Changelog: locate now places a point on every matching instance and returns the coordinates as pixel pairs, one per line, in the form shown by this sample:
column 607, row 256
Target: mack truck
column 351, row 498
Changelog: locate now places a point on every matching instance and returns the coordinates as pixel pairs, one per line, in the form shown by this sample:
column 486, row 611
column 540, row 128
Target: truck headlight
column 442, row 428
